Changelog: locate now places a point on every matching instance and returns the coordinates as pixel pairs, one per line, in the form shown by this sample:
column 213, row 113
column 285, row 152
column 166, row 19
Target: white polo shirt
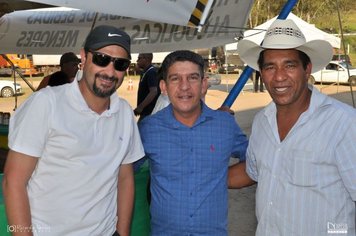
column 72, row 191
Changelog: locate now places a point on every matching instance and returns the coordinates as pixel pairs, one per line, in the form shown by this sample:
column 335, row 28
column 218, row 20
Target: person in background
column 258, row 82
column 69, row 64
column 302, row 148
column 58, row 78
column 148, row 88
column 189, row 146
column 69, row 171
column 163, row 99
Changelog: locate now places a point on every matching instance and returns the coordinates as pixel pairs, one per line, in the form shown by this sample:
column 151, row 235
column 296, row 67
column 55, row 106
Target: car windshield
column 348, row 65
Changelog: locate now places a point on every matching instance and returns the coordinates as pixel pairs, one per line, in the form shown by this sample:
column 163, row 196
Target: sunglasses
column 103, row 60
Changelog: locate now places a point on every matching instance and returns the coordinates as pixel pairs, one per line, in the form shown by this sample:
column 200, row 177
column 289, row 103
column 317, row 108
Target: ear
column 204, row 87
column 82, row 57
column 309, row 69
column 163, row 87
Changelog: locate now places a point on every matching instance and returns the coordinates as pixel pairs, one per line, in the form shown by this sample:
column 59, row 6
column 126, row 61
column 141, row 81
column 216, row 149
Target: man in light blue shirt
column 302, row 149
column 189, row 146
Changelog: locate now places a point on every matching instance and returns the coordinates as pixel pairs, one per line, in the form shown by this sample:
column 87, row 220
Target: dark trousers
column 258, row 80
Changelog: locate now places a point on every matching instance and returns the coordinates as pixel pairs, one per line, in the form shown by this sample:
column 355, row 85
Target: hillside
column 348, row 20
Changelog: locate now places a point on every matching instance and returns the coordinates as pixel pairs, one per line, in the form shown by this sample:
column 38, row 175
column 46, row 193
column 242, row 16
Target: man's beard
column 104, row 93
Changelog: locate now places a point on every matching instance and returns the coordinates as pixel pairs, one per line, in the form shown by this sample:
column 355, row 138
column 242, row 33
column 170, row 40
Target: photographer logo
column 337, row 228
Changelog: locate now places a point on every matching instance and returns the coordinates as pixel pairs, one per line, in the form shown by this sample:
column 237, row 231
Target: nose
column 280, row 73
column 184, row 83
column 110, row 70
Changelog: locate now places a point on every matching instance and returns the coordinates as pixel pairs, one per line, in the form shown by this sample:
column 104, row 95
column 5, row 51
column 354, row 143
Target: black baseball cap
column 105, row 35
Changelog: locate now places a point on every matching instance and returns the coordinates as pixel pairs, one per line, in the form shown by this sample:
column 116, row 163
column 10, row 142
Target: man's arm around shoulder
column 237, row 176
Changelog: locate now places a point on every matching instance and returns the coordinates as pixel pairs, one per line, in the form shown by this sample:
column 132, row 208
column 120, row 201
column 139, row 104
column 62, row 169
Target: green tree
column 322, row 13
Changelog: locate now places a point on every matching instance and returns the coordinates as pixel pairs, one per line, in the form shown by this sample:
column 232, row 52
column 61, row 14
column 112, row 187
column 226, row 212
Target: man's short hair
column 68, row 57
column 148, row 56
column 181, row 55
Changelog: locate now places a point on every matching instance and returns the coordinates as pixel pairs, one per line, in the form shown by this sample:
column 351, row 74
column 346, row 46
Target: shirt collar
column 206, row 114
column 317, row 100
column 79, row 101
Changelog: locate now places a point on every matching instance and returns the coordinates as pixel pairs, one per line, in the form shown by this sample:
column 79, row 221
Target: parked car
column 213, row 79
column 229, row 68
column 335, row 72
column 8, row 88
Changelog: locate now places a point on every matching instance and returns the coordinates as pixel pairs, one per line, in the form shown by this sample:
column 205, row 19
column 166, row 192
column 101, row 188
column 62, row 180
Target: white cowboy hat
column 285, row 34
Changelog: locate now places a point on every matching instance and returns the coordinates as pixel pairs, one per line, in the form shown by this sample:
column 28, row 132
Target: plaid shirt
column 189, row 171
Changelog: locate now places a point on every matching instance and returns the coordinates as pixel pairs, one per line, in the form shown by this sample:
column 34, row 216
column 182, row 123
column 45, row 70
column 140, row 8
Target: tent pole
column 343, row 46
column 235, row 91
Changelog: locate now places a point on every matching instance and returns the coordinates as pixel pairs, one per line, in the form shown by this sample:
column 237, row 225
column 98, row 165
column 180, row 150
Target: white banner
column 56, row 32
column 176, row 12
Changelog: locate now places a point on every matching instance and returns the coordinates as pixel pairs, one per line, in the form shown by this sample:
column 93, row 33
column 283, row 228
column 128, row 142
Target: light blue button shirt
column 307, row 182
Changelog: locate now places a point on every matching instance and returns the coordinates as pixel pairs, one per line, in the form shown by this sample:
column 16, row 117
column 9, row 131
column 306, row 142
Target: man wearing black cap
column 74, row 176
column 69, row 66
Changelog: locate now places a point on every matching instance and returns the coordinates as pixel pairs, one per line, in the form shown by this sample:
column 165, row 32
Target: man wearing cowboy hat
column 302, row 148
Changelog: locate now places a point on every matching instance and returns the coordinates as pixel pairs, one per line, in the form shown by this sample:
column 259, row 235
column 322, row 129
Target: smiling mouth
column 185, row 97
column 106, row 80
column 281, row 90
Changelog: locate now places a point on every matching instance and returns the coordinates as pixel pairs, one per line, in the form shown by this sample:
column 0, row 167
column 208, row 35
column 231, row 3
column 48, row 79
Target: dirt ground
column 242, row 219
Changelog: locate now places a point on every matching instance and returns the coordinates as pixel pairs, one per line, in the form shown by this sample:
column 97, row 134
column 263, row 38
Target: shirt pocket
column 302, row 169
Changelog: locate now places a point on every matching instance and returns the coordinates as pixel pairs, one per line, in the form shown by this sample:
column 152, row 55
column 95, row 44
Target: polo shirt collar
column 79, row 101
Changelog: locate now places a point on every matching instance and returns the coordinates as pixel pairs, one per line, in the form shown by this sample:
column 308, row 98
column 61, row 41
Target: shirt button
column 270, row 203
